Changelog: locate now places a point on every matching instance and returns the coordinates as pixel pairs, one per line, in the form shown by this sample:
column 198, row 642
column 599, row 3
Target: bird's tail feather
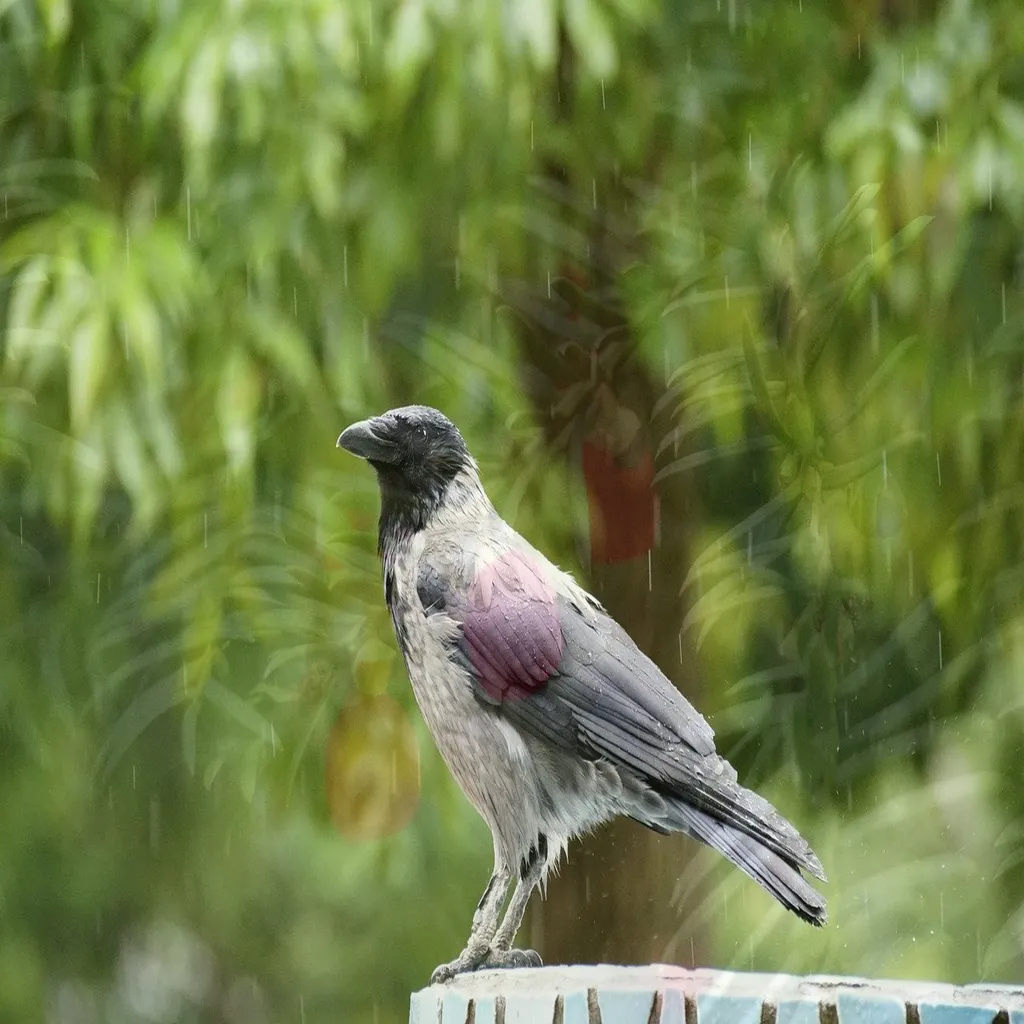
column 780, row 877
column 746, row 811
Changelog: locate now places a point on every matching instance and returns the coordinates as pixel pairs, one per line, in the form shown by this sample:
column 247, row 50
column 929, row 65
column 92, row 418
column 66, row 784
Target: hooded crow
column 548, row 715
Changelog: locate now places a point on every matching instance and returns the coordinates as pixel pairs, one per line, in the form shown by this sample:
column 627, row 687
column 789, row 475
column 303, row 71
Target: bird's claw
column 510, row 959
column 468, row 960
column 485, row 960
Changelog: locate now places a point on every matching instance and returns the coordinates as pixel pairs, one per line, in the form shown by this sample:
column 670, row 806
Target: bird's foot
column 476, row 959
column 509, row 959
column 468, row 960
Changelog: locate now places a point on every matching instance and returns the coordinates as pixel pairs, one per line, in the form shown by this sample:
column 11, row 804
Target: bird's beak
column 366, row 439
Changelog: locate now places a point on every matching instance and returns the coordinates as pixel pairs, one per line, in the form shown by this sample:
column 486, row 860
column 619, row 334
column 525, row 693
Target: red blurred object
column 622, row 502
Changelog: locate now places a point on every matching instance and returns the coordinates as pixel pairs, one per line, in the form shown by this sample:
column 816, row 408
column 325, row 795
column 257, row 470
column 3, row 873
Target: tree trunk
column 627, row 895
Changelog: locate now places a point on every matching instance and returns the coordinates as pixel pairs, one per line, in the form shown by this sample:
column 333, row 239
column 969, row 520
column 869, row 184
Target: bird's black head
column 416, row 452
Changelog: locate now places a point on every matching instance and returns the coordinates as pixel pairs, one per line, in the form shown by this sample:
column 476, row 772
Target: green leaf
column 88, row 359
column 237, row 401
column 592, row 35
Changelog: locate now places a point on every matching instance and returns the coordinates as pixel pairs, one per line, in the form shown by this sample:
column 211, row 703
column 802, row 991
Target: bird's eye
column 423, row 432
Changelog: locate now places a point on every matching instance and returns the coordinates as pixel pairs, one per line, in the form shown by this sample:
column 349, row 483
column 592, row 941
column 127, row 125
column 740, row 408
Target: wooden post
column 665, row 994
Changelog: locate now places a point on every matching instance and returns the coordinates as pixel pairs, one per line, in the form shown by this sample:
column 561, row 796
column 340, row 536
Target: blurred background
column 727, row 297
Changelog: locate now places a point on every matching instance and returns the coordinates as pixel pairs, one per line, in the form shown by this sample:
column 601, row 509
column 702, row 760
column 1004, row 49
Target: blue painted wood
column 673, row 1007
column 626, row 1007
column 485, row 1010
column 713, row 1008
column 574, row 1008
column 796, row 1011
column 625, row 995
column 944, row 1013
column 455, row 1006
column 865, row 1008
column 529, row 1008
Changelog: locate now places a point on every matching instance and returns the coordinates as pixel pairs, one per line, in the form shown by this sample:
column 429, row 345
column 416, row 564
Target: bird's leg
column 501, row 954
column 485, row 923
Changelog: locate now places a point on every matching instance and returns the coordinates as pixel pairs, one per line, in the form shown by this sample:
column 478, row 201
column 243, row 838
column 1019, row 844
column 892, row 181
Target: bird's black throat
column 404, row 512
column 405, row 509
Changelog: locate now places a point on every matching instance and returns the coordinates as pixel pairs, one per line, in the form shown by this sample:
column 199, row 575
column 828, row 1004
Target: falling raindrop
column 732, row 15
column 21, row 528
column 458, row 274
column 885, row 469
column 5, row 206
column 549, row 284
column 874, row 322
column 726, row 283
column 650, row 583
column 134, row 786
column 97, row 588
column 593, row 192
column 531, row 135
column 693, row 178
column 990, row 185
column 680, row 647
column 154, row 823
column 750, row 152
column 295, row 301
column 302, row 1010
column 938, row 469
column 206, row 524
column 1004, row 301
column 604, row 105
column 940, row 650
column 586, row 889
column 344, row 266
column 910, row 573
column 188, row 213
column 858, row 46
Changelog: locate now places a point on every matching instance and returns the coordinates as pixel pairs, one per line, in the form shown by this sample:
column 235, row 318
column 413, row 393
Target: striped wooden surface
column 664, row 994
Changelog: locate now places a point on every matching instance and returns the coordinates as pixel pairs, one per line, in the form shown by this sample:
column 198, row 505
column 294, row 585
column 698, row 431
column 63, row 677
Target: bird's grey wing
column 575, row 679
column 520, row 639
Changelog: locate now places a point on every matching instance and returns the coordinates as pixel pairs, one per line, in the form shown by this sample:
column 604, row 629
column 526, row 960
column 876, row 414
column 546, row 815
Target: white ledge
column 667, row 994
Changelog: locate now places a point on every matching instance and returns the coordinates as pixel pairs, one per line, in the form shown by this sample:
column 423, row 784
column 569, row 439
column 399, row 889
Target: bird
column 549, row 717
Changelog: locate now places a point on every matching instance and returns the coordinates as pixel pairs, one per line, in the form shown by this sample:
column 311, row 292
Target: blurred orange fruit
column 373, row 768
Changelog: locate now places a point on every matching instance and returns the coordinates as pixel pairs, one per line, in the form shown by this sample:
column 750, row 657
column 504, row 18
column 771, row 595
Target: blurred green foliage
column 230, row 228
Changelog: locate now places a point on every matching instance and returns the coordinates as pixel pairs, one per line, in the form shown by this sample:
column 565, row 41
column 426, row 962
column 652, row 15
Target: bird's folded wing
column 576, row 679
column 524, row 643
